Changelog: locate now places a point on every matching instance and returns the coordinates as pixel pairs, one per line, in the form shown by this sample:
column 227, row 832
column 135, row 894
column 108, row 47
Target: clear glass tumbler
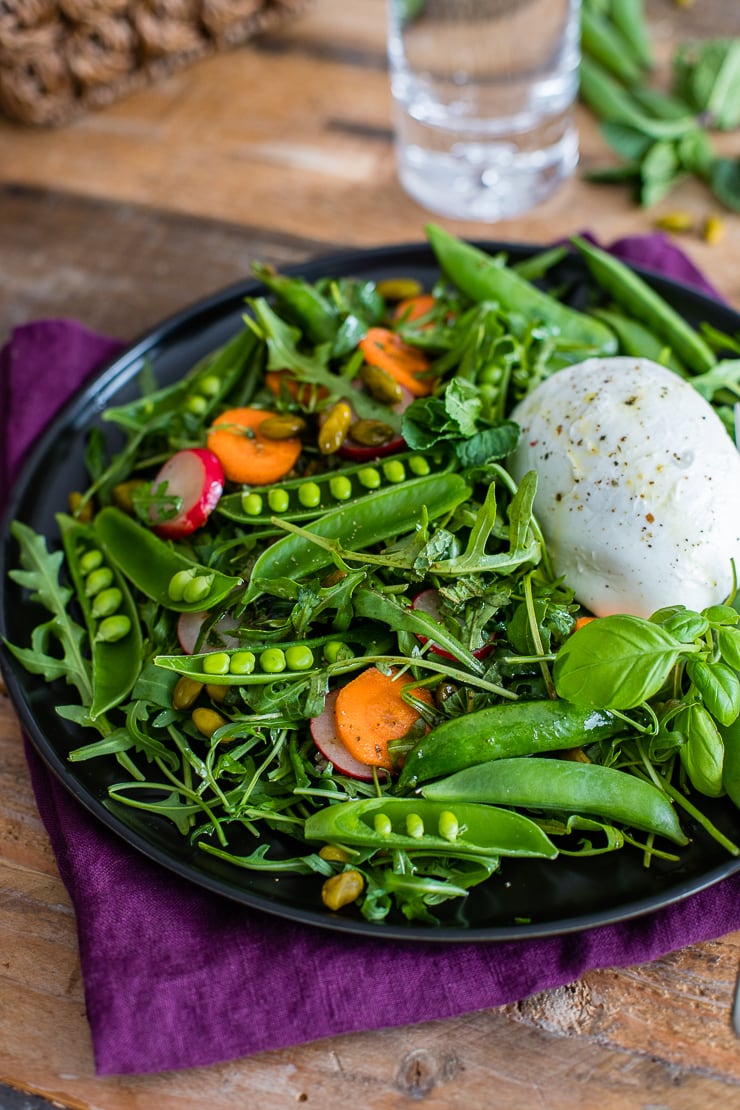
column 483, row 94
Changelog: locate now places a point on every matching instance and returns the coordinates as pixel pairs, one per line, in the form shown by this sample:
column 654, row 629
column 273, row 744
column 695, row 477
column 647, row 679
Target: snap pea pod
column 151, row 564
column 110, row 616
column 632, row 293
column 567, row 786
column 637, row 340
column 511, row 729
column 208, row 384
column 605, row 42
column 478, row 276
column 613, row 103
column 372, row 519
column 629, row 17
column 316, row 315
column 257, row 662
column 413, row 824
column 309, row 498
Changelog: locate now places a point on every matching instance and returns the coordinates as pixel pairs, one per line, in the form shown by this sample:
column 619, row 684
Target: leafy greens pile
column 249, row 788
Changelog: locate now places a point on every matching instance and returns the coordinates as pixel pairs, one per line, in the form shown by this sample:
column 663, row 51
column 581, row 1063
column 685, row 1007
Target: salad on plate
column 422, row 579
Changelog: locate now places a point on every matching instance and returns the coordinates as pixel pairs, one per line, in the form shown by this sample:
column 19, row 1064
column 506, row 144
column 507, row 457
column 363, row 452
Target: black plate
column 528, row 898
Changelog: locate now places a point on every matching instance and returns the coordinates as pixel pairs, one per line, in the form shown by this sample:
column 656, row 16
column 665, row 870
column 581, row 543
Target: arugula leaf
column 725, row 375
column 40, row 575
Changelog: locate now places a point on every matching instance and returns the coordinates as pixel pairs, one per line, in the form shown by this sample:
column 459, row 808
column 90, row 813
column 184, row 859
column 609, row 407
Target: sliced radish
column 324, row 733
column 428, row 601
column 188, row 631
column 196, row 476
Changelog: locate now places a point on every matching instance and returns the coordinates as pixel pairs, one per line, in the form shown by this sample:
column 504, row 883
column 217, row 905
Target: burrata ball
column 638, row 495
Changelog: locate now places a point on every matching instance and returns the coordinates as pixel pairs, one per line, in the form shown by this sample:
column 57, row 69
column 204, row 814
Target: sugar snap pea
column 306, row 305
column 387, row 512
column 567, row 786
column 637, row 340
column 481, row 279
column 151, row 565
column 413, row 824
column 257, row 662
column 115, row 635
column 211, row 380
column 513, row 729
column 332, row 488
column 629, row 17
column 634, row 294
column 612, row 102
column 604, row 41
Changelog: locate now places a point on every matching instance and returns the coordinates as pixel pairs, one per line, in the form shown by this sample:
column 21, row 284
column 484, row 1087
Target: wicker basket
column 59, row 58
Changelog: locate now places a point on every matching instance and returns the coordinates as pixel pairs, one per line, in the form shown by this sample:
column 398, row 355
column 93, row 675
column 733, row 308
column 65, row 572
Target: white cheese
column 639, row 486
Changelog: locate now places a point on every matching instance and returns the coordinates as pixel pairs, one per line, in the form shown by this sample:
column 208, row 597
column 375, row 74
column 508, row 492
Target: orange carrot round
column 384, row 348
column 247, row 456
column 279, row 380
column 581, row 622
column 370, row 713
column 411, row 308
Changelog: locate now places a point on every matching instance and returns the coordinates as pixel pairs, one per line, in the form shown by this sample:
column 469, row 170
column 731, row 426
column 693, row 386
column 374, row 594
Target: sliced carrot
column 245, row 454
column 279, row 380
column 382, row 347
column 411, row 308
column 370, row 713
column 581, row 622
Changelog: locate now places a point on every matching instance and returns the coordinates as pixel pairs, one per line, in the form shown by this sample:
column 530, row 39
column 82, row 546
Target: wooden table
column 281, row 151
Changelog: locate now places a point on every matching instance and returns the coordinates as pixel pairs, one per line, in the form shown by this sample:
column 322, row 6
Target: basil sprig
column 683, row 662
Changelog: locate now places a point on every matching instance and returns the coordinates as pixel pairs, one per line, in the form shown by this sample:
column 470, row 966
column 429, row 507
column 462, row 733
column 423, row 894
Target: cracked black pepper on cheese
column 639, row 486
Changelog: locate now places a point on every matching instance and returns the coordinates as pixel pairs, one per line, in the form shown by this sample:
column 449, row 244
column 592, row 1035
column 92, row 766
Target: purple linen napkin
column 176, row 977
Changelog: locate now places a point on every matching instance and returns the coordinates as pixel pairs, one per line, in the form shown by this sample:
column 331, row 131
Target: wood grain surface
column 282, row 151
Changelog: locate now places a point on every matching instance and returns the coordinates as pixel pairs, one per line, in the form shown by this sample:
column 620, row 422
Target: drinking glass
column 483, row 94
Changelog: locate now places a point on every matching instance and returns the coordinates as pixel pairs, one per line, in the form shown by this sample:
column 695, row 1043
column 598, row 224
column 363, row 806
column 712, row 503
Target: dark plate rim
column 116, row 372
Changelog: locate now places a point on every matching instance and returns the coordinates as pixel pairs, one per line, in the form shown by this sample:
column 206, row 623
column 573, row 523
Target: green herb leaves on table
column 661, row 137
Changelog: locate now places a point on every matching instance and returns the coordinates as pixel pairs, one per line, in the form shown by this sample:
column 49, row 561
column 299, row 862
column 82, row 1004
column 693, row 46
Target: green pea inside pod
column 110, row 615
column 156, row 568
column 417, row 824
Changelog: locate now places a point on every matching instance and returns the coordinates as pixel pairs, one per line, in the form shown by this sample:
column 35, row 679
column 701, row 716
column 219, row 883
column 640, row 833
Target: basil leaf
column 629, row 142
column 728, row 642
column 615, row 662
column 702, row 755
column 685, row 624
column 721, row 614
column 719, row 687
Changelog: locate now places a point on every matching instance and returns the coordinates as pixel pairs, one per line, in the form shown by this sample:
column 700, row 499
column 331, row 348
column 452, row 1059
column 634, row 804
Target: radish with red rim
column 428, row 601
column 196, row 477
column 324, row 734
column 189, row 627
